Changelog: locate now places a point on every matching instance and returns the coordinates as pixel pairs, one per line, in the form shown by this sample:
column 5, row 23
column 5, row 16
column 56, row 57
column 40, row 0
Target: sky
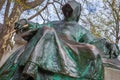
column 93, row 6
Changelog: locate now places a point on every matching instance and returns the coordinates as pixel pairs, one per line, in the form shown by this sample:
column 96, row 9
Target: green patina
column 56, row 53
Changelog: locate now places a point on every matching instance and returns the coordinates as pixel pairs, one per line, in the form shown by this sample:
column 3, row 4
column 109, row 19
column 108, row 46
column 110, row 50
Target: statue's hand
column 28, row 34
column 21, row 24
column 113, row 50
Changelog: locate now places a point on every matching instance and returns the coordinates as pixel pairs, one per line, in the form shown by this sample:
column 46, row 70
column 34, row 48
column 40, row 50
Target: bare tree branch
column 42, row 18
column 38, row 12
column 2, row 3
column 116, row 18
column 7, row 10
column 59, row 2
column 32, row 4
column 56, row 11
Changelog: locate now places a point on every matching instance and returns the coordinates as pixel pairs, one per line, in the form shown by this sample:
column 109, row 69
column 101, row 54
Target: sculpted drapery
column 57, row 50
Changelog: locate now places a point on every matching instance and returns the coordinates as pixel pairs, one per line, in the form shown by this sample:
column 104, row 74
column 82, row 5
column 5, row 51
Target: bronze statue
column 58, row 50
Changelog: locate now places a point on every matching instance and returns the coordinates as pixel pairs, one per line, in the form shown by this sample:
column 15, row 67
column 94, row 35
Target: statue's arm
column 27, row 29
column 24, row 24
column 33, row 25
column 102, row 44
column 85, row 36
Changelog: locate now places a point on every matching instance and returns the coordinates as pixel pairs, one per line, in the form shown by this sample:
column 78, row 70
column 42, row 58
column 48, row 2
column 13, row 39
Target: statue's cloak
column 54, row 54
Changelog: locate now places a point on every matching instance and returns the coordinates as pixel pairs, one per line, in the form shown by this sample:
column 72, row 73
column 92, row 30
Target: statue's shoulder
column 54, row 23
column 82, row 27
column 57, row 22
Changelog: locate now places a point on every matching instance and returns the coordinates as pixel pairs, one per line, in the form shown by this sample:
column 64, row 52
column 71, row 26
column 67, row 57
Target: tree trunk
column 7, row 29
column 9, row 20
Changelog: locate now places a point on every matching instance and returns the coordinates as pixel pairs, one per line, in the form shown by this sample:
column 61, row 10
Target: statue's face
column 67, row 10
column 21, row 24
column 71, row 11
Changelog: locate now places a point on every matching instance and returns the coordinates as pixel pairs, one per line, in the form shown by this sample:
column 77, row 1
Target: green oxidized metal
column 57, row 52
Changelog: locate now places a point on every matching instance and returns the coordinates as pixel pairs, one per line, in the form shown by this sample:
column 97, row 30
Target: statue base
column 112, row 69
column 112, row 74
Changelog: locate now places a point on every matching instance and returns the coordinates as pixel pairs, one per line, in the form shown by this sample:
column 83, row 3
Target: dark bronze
column 58, row 50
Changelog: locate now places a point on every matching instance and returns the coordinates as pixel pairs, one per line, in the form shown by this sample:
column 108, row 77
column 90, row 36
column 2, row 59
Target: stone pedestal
column 112, row 74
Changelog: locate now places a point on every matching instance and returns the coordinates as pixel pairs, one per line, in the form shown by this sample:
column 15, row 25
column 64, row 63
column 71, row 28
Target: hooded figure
column 72, row 11
column 54, row 52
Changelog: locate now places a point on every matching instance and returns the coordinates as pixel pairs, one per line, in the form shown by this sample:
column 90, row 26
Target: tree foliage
column 14, row 9
column 103, row 18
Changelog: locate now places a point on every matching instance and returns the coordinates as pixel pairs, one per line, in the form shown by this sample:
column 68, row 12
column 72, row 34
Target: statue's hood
column 72, row 10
